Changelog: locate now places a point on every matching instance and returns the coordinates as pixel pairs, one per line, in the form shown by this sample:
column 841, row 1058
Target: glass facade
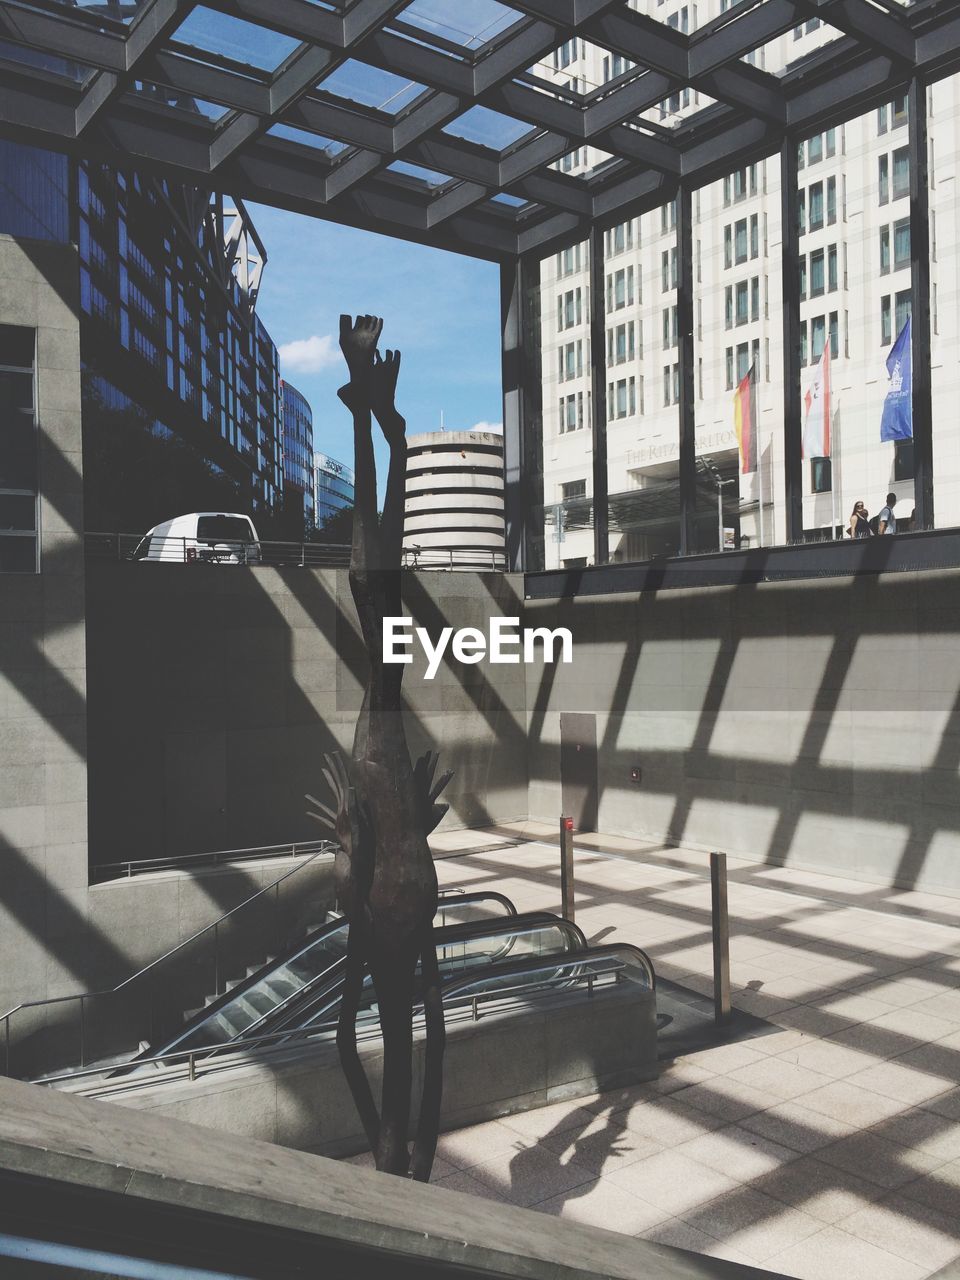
column 297, row 457
column 333, row 488
column 170, row 325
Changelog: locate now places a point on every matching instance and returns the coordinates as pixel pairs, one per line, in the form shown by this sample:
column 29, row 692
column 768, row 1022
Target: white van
column 203, row 537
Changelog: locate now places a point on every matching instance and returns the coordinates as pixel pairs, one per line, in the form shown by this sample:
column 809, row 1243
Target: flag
column 816, row 417
column 745, row 419
column 897, row 420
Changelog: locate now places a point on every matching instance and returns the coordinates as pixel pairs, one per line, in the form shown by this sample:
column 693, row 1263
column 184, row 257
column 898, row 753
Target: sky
column 441, row 309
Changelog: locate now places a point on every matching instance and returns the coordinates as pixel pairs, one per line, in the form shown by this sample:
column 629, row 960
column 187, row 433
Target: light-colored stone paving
column 825, row 1145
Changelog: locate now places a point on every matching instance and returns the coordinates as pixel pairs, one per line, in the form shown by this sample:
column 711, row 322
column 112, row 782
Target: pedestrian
column 859, row 526
column 886, row 520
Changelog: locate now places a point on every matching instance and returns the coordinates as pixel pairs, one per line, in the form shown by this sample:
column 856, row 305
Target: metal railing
column 108, row 871
column 149, row 974
column 157, row 549
column 606, row 973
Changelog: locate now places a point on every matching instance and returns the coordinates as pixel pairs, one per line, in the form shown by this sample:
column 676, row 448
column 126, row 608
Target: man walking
column 886, row 520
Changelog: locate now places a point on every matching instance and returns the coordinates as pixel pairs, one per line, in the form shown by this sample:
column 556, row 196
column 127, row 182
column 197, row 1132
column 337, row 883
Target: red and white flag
column 816, row 417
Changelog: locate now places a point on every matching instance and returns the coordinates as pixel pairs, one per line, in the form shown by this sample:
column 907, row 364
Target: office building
column 297, row 459
column 333, row 488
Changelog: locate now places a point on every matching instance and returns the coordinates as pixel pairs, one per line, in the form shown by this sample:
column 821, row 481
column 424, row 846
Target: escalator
column 244, row 1010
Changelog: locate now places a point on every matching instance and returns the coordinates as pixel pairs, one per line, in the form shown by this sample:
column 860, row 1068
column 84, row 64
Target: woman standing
column 859, row 526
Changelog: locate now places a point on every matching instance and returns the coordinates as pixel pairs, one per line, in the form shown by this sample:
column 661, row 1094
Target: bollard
column 566, row 869
column 721, row 937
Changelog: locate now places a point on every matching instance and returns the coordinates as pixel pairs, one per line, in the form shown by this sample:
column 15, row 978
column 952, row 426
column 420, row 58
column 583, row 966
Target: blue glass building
column 297, row 457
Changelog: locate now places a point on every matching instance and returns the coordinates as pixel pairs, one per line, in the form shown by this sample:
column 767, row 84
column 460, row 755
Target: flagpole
column 760, row 488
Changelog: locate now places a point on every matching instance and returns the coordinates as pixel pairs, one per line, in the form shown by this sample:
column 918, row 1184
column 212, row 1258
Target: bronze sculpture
column 385, row 807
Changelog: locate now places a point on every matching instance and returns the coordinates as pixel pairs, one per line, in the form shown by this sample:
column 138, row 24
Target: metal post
column 790, row 273
column 567, row 907
column 83, row 1047
column 920, row 308
column 522, row 413
column 685, row 354
column 719, row 518
column 216, row 958
column 598, row 395
column 721, row 937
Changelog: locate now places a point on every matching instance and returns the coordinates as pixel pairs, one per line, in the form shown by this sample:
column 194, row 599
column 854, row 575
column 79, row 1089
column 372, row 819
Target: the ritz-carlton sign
column 665, row 452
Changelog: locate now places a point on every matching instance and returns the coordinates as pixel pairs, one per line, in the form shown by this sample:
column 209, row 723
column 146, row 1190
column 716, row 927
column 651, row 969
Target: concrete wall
column 505, row 1063
column 215, row 691
column 43, row 785
column 812, row 723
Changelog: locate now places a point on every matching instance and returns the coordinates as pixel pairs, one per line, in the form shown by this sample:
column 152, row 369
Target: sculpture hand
column 358, row 342
column 341, row 822
column 427, row 789
column 383, row 391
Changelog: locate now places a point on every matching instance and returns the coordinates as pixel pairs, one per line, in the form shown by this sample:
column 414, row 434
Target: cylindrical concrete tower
column 454, row 509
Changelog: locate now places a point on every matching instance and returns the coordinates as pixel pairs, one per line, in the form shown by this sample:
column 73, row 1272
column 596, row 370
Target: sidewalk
column 826, row 1144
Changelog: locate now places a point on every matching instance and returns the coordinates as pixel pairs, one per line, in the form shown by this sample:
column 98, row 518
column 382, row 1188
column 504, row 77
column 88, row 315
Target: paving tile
column 720, row 1059
column 777, row 1040
column 531, row 1175
column 466, row 1147
column 912, row 1231
column 901, row 992
column 938, row 1190
column 672, row 1182
column 946, row 1104
column 828, row 1058
column 728, row 1100
column 900, row 1081
column 856, row 1007
column 784, row 1080
column 833, row 1254
column 601, row 1204
column 869, row 1155
column 602, row 1146
column 554, row 1118
column 753, row 1223
column 924, row 1130
column 681, row 1235
column 738, row 1152
column 857, row 1106
column 821, row 1190
column 666, row 1120
column 791, row 1125
column 814, row 1021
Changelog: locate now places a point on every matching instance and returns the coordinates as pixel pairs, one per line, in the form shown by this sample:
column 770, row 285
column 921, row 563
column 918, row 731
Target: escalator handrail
column 300, row 949
column 446, row 935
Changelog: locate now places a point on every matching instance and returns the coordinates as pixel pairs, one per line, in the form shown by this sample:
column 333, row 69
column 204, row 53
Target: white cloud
column 496, row 427
column 309, row 355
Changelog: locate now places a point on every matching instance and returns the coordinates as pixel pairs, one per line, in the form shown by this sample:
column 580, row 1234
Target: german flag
column 745, row 420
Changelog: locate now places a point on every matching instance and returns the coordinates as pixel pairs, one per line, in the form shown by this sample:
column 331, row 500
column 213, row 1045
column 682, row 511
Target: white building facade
column 855, row 297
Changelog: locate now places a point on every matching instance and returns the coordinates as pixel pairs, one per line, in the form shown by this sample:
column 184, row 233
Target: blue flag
column 897, row 420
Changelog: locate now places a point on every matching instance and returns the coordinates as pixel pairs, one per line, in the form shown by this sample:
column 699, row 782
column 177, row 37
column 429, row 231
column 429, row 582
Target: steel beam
column 598, row 394
column 688, row 438
column 790, row 278
column 920, row 303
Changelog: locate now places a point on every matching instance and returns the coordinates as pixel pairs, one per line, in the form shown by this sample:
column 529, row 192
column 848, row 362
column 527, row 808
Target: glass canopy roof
column 476, row 125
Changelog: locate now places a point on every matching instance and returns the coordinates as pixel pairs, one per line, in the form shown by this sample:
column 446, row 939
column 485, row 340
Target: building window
column 743, row 359
column 622, row 398
column 741, row 302
column 754, row 236
column 815, row 198
column 886, row 321
column 571, row 412
column 668, row 216
column 817, row 282
column 729, row 355
column 832, row 268
column 834, row 330
column 899, row 111
column 901, row 173
column 803, row 276
column 670, row 329
column 821, row 475
column 801, row 212
column 815, row 149
column 568, row 260
column 621, row 343
column 818, row 337
column 671, row 384
column 883, row 179
column 620, row 289
column 831, row 200
column 728, row 307
column 755, row 298
column 884, row 250
column 18, row 452
column 901, row 308
column 573, row 489
column 901, row 243
column 570, row 309
column 831, row 142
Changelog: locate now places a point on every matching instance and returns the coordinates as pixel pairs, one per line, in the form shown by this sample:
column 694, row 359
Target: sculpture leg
column 347, row 1035
column 393, row 977
column 428, row 1127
